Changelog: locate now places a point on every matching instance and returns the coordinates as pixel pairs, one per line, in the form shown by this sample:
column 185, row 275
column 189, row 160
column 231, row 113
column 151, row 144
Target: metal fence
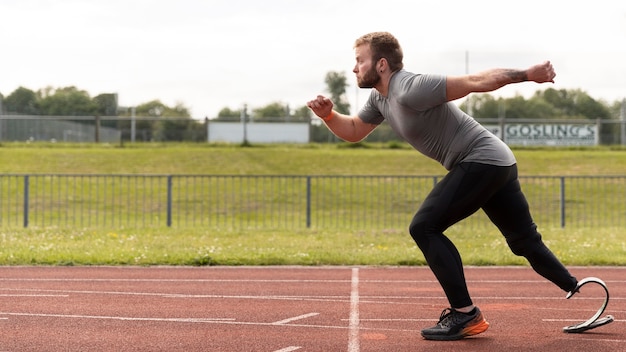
column 121, row 129
column 279, row 202
column 62, row 129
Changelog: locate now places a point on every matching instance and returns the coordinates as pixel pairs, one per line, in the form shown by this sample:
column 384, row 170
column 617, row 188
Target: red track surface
column 286, row 309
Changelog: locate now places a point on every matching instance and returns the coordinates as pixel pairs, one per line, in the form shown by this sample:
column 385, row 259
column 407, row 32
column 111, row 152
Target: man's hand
column 321, row 106
column 541, row 73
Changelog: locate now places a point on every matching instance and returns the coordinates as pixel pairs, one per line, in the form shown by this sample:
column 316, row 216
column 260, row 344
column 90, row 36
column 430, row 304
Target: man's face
column 365, row 69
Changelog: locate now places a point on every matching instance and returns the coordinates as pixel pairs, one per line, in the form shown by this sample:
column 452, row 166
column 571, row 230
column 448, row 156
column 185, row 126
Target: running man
column 482, row 168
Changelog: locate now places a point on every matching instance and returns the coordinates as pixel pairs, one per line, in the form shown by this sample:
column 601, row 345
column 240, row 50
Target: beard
column 370, row 79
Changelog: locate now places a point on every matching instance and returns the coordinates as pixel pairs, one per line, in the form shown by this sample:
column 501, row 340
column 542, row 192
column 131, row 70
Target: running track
column 284, row 309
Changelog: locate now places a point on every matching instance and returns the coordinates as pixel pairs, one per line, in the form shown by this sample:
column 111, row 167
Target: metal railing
column 273, row 201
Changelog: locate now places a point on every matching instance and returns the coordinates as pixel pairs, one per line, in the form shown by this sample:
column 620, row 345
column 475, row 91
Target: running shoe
column 454, row 325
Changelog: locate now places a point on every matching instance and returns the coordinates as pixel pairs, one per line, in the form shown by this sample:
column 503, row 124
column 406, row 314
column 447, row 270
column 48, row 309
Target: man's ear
column 382, row 64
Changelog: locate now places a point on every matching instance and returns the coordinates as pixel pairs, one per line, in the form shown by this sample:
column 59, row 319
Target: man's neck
column 383, row 86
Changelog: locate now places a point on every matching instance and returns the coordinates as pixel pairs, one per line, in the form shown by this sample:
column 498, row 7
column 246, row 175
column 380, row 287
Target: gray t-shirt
column 417, row 110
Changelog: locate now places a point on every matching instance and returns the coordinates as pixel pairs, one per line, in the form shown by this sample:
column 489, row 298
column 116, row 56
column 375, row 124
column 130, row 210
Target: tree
column 68, row 101
column 21, row 101
column 302, row 113
column 155, row 108
column 337, row 83
column 575, row 103
column 166, row 123
column 226, row 114
column 275, row 111
column 271, row 111
column 547, row 104
column 618, row 109
column 538, row 108
column 107, row 104
column 484, row 106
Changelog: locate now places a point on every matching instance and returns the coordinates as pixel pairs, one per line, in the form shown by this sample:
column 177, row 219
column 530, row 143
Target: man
column 482, row 169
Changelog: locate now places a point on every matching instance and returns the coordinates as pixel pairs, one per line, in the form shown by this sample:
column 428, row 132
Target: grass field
column 198, row 246
column 282, row 160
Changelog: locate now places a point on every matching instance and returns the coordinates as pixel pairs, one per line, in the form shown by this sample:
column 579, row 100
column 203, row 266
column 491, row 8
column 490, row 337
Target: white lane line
column 220, row 321
column 177, row 280
column 289, row 349
column 395, row 320
column 105, row 317
column 594, row 340
column 574, row 320
column 31, row 295
column 368, row 299
column 353, row 340
column 303, row 316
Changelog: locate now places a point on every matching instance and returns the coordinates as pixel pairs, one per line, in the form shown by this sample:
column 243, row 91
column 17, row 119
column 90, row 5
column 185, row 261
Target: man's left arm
column 487, row 81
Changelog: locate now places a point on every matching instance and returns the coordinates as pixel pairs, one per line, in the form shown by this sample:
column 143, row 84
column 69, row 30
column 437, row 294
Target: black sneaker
column 454, row 325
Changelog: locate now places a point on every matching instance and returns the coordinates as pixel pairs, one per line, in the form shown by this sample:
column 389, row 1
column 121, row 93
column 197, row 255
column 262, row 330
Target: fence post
column 562, row 201
column 308, row 202
column 97, row 125
column 26, row 197
column 622, row 117
column 169, row 201
column 133, row 124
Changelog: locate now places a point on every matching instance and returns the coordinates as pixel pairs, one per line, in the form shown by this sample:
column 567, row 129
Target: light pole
column 623, row 121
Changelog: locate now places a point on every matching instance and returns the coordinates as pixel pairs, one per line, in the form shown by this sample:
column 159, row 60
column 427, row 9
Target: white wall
column 258, row 132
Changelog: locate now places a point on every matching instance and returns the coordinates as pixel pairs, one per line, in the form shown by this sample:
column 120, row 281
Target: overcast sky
column 213, row 54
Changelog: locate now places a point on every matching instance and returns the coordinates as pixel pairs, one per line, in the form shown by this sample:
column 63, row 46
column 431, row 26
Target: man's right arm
column 349, row 128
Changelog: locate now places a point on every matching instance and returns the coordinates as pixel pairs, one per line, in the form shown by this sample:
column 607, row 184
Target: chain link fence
column 118, row 129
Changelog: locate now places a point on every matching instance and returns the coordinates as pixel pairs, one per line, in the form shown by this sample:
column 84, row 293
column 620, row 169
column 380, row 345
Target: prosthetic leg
column 595, row 321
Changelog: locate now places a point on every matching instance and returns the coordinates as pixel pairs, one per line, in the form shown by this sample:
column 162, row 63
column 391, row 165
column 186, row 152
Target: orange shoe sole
column 475, row 329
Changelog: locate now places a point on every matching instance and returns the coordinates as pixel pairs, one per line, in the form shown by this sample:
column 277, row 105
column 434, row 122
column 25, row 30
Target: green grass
column 201, row 246
column 282, row 160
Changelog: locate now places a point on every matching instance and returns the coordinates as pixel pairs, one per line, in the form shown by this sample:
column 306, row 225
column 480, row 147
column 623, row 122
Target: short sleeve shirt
column 417, row 110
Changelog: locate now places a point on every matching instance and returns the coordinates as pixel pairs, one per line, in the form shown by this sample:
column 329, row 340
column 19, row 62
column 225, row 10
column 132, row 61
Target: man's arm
column 487, row 81
column 348, row 128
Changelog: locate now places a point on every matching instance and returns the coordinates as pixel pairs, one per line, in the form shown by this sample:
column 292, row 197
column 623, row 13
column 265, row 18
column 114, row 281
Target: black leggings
column 496, row 189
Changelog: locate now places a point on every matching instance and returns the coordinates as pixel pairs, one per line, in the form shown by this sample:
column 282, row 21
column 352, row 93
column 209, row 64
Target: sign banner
column 547, row 134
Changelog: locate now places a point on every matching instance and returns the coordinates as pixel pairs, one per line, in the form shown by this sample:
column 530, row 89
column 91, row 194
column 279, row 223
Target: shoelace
column 449, row 317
